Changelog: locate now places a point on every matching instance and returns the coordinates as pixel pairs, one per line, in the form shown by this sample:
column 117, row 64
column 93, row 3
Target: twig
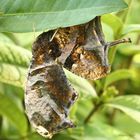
column 93, row 111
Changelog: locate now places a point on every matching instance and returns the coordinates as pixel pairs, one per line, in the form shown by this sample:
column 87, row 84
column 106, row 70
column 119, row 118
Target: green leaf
column 100, row 131
column 108, row 32
column 10, row 110
column 131, row 28
column 117, row 75
column 34, row 136
column 37, row 15
column 136, row 60
column 13, row 62
column 129, row 50
column 13, row 75
column 70, row 134
column 121, row 122
column 81, row 85
column 129, row 104
column 114, row 22
column 62, row 137
column 84, row 107
column 5, row 39
column 25, row 39
column 12, row 54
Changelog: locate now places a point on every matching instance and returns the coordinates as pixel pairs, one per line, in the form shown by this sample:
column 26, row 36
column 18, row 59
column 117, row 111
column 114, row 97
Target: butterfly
column 81, row 49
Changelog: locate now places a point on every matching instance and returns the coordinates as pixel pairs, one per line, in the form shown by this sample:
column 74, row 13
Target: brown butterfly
column 82, row 50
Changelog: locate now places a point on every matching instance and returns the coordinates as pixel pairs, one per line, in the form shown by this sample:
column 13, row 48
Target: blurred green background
column 112, row 102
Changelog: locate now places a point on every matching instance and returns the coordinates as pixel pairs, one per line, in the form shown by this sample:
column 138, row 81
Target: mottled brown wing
column 49, row 95
column 89, row 59
column 88, row 65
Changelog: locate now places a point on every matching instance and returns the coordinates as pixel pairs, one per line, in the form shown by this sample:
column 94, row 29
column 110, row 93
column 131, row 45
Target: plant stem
column 93, row 111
